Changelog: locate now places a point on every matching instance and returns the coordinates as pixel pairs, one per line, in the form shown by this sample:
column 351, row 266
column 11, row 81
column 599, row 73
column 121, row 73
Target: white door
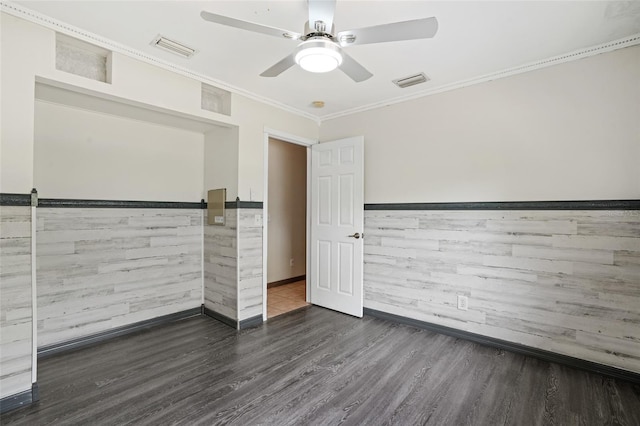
column 337, row 224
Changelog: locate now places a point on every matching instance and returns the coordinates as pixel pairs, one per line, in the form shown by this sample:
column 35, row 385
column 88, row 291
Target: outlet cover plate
column 463, row 302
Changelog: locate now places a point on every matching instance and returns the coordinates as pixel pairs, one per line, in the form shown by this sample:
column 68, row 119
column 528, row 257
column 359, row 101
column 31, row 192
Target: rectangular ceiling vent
column 412, row 80
column 173, row 46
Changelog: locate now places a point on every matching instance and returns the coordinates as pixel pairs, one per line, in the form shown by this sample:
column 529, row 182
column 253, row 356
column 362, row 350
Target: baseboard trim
column 286, row 281
column 93, row 339
column 251, row 322
column 222, row 318
column 594, row 367
column 20, row 399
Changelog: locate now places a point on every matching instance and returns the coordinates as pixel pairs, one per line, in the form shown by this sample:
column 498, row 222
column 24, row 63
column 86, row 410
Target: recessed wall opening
column 86, row 60
column 100, row 268
column 215, row 99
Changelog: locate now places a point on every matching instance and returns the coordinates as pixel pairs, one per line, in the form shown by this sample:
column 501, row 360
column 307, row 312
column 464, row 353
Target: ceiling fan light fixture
column 318, row 56
column 318, row 59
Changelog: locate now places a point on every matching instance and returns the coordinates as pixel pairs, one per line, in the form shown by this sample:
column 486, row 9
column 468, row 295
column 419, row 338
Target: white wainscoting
column 221, row 265
column 250, row 263
column 562, row 281
column 15, row 300
column 101, row 268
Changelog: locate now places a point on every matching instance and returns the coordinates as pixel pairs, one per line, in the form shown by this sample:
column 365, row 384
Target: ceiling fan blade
column 249, row 26
column 322, row 10
column 280, row 67
column 405, row 30
column 353, row 69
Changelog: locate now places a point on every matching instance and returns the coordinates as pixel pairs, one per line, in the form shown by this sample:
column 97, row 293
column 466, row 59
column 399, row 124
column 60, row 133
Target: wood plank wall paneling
column 15, row 300
column 98, row 269
column 221, row 265
column 562, row 281
column 250, row 263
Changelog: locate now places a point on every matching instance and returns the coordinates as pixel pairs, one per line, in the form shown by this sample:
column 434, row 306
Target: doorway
column 286, row 226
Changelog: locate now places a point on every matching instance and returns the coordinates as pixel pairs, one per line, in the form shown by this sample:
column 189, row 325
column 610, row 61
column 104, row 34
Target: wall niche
column 86, row 60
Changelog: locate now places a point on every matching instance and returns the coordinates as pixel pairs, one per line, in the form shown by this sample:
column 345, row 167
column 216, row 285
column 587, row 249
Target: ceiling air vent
column 173, row 46
column 412, row 80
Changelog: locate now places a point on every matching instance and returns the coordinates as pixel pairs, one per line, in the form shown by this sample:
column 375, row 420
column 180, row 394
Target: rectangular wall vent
column 215, row 99
column 173, row 46
column 412, row 80
column 80, row 58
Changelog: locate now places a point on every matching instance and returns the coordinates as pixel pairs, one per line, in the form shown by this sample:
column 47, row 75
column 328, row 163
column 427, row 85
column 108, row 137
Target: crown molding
column 530, row 66
column 64, row 28
column 32, row 16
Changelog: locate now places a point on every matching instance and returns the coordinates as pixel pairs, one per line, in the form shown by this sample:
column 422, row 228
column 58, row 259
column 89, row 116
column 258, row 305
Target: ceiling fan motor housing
column 319, row 29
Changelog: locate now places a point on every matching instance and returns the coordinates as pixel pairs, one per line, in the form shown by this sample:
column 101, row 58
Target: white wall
column 133, row 80
column 18, row 65
column 221, row 161
column 287, row 210
column 34, row 56
column 253, row 118
column 567, row 132
column 89, row 155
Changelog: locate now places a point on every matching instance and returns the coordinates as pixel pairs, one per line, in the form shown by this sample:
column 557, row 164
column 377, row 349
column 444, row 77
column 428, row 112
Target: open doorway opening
column 286, row 227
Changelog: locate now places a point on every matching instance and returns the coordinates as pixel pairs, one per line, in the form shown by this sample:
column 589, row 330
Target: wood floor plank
column 315, row 366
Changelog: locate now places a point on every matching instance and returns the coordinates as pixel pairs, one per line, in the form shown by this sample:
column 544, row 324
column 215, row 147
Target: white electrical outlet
column 291, row 263
column 463, row 302
column 257, row 220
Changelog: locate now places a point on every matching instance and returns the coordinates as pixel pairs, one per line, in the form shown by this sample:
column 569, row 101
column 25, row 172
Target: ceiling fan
column 321, row 49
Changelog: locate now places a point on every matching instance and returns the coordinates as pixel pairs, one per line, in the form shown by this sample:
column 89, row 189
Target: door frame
column 297, row 140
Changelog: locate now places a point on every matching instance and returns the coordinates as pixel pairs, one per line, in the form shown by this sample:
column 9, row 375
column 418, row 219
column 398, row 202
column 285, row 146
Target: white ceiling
column 475, row 38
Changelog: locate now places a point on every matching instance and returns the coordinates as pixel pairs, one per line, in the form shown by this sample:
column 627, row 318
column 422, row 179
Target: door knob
column 356, row 235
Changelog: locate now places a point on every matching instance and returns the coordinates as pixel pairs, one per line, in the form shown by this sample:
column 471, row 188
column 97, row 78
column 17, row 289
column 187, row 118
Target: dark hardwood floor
column 315, row 366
